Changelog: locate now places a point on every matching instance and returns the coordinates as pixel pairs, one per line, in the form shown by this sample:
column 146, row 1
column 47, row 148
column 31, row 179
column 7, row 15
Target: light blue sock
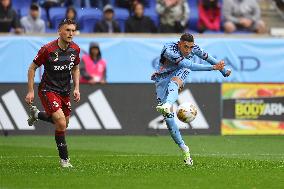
column 173, row 129
column 172, row 92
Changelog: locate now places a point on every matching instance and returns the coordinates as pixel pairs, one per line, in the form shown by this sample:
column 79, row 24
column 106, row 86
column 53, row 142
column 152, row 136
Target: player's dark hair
column 187, row 37
column 34, row 6
column 66, row 21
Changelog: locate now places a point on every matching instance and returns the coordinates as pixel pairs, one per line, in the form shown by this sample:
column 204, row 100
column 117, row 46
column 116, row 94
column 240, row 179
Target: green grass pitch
column 142, row 162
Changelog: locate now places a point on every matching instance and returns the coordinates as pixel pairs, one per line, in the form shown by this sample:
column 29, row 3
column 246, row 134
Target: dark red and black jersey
column 57, row 66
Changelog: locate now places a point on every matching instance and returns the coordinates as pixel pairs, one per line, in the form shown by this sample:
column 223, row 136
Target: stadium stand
column 152, row 14
column 193, row 17
column 87, row 18
column 56, row 15
column 19, row 4
column 121, row 16
column 25, row 11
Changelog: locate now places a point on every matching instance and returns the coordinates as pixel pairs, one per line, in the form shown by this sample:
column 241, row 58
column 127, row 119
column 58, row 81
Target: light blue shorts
column 162, row 81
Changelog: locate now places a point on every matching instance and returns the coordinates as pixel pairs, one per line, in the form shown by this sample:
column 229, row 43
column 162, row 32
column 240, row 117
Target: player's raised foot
column 65, row 163
column 32, row 116
column 164, row 108
column 187, row 159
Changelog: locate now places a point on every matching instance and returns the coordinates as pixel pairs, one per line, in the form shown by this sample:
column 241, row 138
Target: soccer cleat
column 32, row 118
column 65, row 163
column 164, row 108
column 187, row 159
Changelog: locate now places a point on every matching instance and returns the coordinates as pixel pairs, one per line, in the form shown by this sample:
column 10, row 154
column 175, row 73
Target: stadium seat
column 121, row 15
column 153, row 15
column 19, row 4
column 152, row 5
column 87, row 18
column 57, row 14
column 193, row 16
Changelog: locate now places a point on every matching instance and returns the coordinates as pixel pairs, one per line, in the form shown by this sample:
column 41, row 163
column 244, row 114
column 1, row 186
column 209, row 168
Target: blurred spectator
column 129, row 4
column 93, row 67
column 32, row 23
column 280, row 4
column 174, row 15
column 107, row 24
column 8, row 18
column 47, row 4
column 138, row 23
column 209, row 15
column 242, row 14
column 71, row 14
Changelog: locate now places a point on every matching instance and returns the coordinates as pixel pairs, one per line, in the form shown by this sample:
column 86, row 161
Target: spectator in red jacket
column 209, row 15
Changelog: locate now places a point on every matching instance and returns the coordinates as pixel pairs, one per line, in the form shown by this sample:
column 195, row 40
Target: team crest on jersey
column 72, row 57
column 54, row 56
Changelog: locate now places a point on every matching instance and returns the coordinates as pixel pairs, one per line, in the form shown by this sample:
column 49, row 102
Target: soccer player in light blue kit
column 175, row 65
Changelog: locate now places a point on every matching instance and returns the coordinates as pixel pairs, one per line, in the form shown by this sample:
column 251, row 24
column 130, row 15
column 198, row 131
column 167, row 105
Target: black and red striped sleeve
column 41, row 56
column 77, row 59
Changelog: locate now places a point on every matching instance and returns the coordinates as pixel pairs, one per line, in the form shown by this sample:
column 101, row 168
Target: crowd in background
column 173, row 16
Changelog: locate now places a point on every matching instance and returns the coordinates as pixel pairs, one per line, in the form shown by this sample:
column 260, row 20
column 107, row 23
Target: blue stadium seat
column 18, row 4
column 57, row 14
column 193, row 17
column 152, row 5
column 87, row 18
column 153, row 15
column 121, row 16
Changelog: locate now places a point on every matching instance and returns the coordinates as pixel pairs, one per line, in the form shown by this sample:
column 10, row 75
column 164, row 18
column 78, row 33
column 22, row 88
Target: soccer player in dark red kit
column 60, row 59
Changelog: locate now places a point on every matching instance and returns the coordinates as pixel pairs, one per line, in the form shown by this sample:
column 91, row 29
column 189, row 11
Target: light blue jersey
column 171, row 59
column 174, row 64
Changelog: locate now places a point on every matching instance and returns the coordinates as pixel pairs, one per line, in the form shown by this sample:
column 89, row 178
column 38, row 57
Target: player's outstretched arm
column 219, row 66
column 210, row 59
column 225, row 72
column 195, row 67
column 76, row 76
column 31, row 75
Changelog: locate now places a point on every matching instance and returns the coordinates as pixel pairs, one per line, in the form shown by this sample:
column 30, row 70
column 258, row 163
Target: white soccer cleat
column 164, row 108
column 65, row 163
column 187, row 159
column 32, row 118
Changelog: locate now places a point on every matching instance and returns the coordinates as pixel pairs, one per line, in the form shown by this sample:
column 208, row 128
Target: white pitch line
column 149, row 155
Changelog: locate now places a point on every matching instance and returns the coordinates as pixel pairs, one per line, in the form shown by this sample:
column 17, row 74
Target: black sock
column 43, row 116
column 61, row 144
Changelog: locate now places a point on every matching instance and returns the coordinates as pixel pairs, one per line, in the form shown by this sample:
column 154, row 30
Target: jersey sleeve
column 208, row 58
column 198, row 51
column 194, row 66
column 41, row 56
column 204, row 55
column 77, row 59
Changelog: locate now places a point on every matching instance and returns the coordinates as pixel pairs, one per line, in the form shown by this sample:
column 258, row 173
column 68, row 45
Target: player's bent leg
column 60, row 125
column 45, row 117
column 35, row 115
column 176, row 136
column 173, row 89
